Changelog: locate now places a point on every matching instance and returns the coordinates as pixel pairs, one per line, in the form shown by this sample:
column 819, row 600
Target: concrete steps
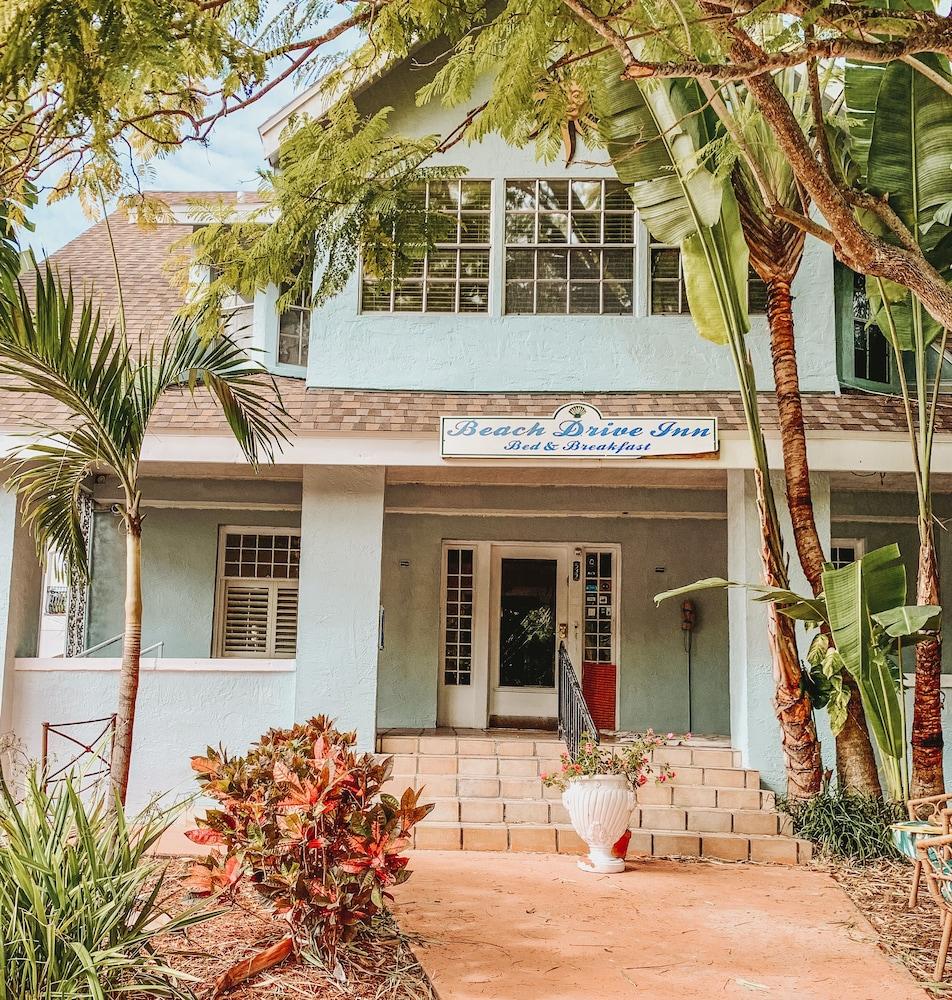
column 488, row 795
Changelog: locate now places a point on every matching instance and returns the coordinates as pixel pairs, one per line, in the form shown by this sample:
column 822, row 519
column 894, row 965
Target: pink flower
column 661, row 777
column 670, row 736
column 674, row 774
column 544, row 776
column 687, row 736
column 642, row 779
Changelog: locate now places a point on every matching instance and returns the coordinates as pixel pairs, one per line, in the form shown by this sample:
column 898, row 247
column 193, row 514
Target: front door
column 528, row 619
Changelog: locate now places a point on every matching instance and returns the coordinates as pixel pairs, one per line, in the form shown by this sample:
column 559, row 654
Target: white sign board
column 576, row 430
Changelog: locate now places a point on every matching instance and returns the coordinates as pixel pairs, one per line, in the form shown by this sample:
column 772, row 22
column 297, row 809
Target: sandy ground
column 526, row 926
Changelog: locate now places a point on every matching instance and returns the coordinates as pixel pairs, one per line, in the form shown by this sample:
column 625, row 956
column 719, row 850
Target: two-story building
column 429, row 537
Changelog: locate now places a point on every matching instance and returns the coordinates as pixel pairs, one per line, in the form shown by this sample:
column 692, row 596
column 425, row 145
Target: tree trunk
column 131, row 648
column 800, row 745
column 855, row 761
column 927, row 742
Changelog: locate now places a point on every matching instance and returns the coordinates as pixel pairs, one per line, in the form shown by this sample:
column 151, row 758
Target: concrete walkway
column 534, row 927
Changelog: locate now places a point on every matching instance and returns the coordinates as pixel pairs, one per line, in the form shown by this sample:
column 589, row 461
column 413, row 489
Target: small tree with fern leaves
column 107, row 395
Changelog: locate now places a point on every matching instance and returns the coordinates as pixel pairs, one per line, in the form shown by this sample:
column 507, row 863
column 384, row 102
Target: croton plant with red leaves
column 303, row 817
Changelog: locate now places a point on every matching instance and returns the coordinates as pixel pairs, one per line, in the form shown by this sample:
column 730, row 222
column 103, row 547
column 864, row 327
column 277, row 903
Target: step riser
column 532, row 790
column 409, row 766
column 495, row 811
column 546, row 749
column 564, row 840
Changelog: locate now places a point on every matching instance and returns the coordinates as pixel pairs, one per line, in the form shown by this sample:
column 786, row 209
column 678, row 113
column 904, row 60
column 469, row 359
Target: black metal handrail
column 574, row 716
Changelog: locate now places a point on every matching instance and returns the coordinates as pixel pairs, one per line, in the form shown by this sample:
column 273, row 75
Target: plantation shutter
column 259, row 594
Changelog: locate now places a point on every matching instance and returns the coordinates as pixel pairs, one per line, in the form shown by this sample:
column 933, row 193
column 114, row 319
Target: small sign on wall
column 576, row 430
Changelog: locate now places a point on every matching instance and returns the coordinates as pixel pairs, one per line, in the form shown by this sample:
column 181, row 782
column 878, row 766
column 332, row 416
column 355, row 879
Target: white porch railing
column 156, row 664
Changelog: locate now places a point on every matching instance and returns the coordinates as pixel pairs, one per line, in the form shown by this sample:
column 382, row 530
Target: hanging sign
column 576, row 430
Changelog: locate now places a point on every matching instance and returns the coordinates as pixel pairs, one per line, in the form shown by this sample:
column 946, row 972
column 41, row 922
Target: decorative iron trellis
column 98, row 749
column 78, row 598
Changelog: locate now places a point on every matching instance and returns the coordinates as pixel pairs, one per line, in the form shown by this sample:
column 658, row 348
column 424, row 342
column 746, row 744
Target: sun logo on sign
column 578, row 410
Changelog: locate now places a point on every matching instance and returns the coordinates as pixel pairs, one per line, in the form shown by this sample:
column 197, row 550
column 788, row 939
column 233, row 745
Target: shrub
column 80, row 903
column 302, row 815
column 844, row 824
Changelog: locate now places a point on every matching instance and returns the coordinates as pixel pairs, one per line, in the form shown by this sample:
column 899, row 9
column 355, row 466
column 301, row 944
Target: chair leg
column 916, row 878
column 943, row 947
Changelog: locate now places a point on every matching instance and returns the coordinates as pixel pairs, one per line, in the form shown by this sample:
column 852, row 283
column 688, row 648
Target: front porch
column 387, row 599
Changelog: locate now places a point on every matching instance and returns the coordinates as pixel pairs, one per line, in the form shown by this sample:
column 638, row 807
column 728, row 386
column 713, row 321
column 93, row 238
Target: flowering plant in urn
column 598, row 785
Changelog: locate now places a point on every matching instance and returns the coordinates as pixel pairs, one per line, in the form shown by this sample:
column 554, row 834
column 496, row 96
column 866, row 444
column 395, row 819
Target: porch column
column 20, row 595
column 754, row 727
column 339, row 598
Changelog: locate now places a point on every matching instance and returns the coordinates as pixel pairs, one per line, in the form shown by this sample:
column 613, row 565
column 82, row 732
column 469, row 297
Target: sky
column 228, row 163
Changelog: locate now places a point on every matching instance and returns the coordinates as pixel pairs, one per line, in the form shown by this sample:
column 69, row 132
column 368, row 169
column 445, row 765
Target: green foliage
column 864, row 606
column 347, row 188
column 657, row 135
column 81, row 900
column 303, row 816
column 846, row 825
column 55, row 349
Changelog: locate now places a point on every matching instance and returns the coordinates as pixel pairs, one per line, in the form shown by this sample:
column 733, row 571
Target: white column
column 754, row 727
column 339, row 601
column 20, row 587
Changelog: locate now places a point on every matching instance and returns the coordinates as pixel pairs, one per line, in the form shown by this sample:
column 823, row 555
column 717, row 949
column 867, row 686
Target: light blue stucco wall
column 179, row 560
column 543, row 353
column 655, row 555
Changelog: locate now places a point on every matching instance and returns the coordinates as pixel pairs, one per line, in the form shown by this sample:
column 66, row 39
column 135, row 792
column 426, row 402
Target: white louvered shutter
column 285, row 621
column 246, row 619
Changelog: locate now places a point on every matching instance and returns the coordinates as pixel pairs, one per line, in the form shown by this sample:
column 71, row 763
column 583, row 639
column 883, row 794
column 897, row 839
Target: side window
column 666, row 291
column 844, row 551
column 294, row 327
column 871, row 350
column 257, row 592
column 457, row 645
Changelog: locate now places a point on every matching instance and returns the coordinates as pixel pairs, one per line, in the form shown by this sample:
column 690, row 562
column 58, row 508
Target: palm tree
column 900, row 132
column 107, row 396
column 776, row 250
column 655, row 134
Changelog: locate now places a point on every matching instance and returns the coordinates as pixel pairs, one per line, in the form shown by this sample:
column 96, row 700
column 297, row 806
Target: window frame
column 601, row 247
column 304, row 313
column 272, row 583
column 683, row 307
column 458, row 247
column 858, row 545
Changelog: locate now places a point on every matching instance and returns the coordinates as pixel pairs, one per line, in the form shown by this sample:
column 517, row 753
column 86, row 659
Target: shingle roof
column 152, row 299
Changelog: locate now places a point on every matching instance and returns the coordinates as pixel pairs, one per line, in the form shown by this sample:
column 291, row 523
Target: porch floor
column 507, row 927
column 696, row 740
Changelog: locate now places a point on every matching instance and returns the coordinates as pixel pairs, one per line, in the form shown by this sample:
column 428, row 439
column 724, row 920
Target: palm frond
column 246, row 392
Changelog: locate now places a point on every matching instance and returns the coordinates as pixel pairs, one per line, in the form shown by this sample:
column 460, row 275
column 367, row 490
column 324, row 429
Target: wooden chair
column 935, row 856
column 928, row 817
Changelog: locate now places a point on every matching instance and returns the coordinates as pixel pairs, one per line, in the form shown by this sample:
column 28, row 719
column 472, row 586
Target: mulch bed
column 382, row 967
column 881, row 891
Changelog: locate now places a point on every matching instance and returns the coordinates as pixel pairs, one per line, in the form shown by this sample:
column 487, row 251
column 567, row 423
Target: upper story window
column 667, row 293
column 570, row 247
column 237, row 312
column 870, row 347
column 294, row 327
column 453, row 276
column 844, row 551
column 258, row 571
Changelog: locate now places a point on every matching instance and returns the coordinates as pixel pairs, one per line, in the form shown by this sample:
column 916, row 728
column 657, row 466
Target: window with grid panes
column 294, row 327
column 599, row 607
column 258, row 588
column 570, row 247
column 844, row 551
column 871, row 351
column 452, row 277
column 458, row 611
column 667, row 294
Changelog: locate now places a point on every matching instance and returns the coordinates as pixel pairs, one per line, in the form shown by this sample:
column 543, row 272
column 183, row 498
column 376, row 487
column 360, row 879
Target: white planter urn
column 599, row 806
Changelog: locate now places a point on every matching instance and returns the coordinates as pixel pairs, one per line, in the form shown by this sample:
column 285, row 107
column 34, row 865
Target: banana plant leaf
column 656, row 133
column 854, row 594
column 806, row 609
column 909, row 621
